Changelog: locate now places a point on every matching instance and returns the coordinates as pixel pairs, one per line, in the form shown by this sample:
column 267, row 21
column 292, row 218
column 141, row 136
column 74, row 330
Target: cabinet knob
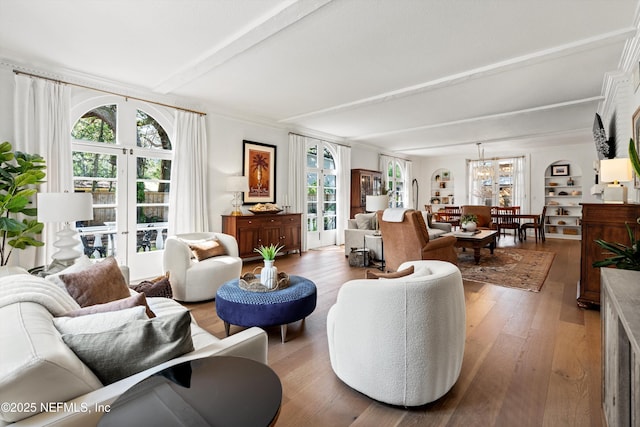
column 250, row 222
column 272, row 220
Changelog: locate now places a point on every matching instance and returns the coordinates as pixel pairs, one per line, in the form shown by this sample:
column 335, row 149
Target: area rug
column 513, row 268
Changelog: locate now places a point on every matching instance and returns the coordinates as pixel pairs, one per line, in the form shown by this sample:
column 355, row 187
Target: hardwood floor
column 531, row 359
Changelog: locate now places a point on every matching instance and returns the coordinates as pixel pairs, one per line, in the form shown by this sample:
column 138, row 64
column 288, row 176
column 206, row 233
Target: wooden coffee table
column 476, row 242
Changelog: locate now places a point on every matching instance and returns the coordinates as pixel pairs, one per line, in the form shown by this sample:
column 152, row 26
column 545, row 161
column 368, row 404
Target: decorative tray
column 251, row 282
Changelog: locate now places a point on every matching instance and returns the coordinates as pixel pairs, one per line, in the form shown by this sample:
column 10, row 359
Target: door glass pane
column 150, row 134
column 97, row 125
column 312, row 201
column 152, row 203
column 312, row 157
column 329, row 213
column 328, row 163
column 97, row 174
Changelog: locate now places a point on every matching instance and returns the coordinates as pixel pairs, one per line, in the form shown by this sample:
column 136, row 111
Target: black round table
column 212, row 391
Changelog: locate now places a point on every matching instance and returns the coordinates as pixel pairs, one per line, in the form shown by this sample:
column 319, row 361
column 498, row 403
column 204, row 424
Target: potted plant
column 20, row 173
column 269, row 273
column 469, row 222
column 625, row 257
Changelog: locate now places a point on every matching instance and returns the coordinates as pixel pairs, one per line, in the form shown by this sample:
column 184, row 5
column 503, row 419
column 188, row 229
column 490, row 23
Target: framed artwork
column 559, row 170
column 259, row 166
column 636, row 139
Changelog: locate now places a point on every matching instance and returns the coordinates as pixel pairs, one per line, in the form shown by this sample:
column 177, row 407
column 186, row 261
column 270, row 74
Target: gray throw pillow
column 134, row 347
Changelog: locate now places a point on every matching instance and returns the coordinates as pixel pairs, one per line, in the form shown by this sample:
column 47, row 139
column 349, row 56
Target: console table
column 251, row 231
column 620, row 322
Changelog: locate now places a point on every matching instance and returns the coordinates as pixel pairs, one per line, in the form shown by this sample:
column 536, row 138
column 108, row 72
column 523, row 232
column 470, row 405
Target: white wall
column 581, row 155
column 225, row 136
column 6, row 105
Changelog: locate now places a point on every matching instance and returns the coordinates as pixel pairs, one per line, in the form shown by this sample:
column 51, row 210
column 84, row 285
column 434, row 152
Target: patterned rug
column 513, row 268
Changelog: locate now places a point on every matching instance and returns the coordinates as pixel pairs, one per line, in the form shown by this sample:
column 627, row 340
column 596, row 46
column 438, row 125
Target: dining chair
column 537, row 226
column 508, row 221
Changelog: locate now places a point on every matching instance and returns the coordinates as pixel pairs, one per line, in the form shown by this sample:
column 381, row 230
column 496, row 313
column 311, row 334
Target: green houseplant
column 20, row 173
column 624, row 257
column 268, row 252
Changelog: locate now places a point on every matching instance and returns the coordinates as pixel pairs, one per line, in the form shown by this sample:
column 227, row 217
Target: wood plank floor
column 531, row 359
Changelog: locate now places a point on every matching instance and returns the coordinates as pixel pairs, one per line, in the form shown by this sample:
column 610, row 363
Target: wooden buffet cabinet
column 605, row 221
column 251, row 231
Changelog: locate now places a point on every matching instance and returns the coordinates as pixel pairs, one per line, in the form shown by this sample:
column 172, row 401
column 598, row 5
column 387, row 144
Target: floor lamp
column 66, row 208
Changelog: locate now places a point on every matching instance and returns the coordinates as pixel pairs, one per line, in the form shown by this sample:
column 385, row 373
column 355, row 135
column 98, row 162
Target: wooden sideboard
column 605, row 221
column 251, row 231
column 620, row 347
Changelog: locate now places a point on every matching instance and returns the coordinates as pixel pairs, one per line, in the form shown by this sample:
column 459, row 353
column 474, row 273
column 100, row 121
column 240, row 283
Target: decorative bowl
column 272, row 211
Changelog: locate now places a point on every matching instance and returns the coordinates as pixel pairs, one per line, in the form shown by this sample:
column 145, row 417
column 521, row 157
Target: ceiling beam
column 497, row 67
column 286, row 14
column 480, row 118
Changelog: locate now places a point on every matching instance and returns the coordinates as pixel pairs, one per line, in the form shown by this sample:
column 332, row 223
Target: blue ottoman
column 236, row 306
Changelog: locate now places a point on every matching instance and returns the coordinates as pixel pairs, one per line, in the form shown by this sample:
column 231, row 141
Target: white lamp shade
column 612, row 170
column 65, row 207
column 377, row 203
column 237, row 183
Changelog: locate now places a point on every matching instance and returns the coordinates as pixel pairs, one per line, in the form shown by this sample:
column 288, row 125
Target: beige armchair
column 409, row 240
column 194, row 279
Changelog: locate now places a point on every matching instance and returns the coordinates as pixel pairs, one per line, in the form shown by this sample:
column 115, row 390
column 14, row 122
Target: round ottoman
column 236, row 306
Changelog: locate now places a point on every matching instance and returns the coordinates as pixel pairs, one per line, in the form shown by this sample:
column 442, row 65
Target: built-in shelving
column 563, row 194
column 442, row 186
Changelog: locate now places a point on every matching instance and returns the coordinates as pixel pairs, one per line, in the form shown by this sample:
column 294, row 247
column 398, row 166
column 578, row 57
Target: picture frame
column 635, row 121
column 259, row 166
column 560, row 170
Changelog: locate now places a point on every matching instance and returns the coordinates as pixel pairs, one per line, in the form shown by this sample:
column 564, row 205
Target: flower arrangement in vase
column 269, row 273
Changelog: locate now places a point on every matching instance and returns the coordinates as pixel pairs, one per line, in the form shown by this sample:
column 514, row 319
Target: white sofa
column 400, row 341
column 193, row 280
column 37, row 367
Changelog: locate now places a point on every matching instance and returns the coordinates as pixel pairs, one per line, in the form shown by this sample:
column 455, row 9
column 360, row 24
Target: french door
column 321, row 202
column 122, row 155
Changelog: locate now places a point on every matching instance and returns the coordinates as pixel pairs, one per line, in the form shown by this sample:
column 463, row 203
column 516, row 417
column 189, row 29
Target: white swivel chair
column 193, row 280
column 400, row 341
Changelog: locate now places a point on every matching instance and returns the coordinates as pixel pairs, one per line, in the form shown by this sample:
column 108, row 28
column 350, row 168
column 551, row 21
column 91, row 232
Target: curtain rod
column 320, row 139
column 109, row 92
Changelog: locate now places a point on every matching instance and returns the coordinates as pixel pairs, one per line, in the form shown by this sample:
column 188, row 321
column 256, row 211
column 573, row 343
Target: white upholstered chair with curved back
column 401, row 340
column 194, row 279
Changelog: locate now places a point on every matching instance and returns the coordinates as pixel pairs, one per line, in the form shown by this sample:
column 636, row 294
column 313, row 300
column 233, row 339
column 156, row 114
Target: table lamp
column 377, row 203
column 613, row 171
column 65, row 207
column 237, row 185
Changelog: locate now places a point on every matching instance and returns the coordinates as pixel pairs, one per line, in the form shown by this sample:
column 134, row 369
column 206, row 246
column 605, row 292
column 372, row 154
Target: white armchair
column 400, row 341
column 193, row 280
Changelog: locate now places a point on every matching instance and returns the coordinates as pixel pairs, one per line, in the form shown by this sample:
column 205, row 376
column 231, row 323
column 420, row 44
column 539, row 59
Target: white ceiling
column 416, row 77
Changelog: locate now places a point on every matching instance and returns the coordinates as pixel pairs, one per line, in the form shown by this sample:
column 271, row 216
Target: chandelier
column 483, row 174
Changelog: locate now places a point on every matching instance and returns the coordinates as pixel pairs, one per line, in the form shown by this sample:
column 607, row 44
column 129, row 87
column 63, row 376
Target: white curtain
column 188, row 207
column 297, row 180
column 408, row 186
column 42, row 127
column 520, row 197
column 344, row 191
